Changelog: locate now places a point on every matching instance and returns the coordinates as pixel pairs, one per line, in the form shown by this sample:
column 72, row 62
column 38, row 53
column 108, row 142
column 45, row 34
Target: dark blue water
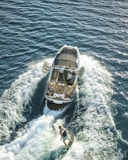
column 33, row 31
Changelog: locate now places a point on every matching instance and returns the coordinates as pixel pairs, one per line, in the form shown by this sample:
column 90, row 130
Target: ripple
column 33, row 30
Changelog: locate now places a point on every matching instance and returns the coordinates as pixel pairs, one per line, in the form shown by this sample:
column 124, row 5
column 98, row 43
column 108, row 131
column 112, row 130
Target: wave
column 93, row 123
column 15, row 99
column 96, row 136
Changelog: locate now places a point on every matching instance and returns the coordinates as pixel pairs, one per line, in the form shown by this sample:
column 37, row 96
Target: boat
column 63, row 75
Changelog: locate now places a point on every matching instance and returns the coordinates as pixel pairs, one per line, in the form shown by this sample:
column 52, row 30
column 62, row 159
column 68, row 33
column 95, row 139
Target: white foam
column 97, row 134
column 40, row 140
column 95, row 140
column 14, row 100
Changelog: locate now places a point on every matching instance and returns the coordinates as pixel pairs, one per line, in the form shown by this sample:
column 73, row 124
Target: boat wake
column 15, row 99
column 96, row 136
column 93, row 123
column 34, row 144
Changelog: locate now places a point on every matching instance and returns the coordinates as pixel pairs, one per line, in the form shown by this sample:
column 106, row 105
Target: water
column 32, row 32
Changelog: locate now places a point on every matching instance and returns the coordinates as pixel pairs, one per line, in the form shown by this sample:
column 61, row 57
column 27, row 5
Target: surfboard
column 81, row 72
column 69, row 140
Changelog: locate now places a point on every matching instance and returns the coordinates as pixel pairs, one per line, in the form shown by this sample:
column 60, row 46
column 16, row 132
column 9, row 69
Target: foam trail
column 14, row 100
column 41, row 141
column 97, row 135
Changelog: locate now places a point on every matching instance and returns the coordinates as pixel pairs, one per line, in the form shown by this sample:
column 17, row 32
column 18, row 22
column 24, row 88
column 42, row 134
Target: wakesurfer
column 64, row 135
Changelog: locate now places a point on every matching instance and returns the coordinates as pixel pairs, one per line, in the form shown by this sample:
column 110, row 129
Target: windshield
column 63, row 76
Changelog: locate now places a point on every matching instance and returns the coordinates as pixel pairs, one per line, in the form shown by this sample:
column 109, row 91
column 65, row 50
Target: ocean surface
column 31, row 32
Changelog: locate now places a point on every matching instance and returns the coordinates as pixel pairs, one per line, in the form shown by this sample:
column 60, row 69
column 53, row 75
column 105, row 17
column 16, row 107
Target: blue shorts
column 64, row 138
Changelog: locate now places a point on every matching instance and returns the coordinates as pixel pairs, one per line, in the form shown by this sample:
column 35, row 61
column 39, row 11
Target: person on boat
column 70, row 78
column 64, row 135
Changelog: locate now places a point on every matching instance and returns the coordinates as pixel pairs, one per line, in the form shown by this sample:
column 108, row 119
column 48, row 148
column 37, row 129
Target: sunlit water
column 32, row 32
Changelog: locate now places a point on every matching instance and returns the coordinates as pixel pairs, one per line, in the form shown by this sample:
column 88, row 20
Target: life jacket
column 64, row 133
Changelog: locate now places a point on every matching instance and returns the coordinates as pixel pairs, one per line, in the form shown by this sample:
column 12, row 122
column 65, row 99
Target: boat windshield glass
column 66, row 63
column 63, row 76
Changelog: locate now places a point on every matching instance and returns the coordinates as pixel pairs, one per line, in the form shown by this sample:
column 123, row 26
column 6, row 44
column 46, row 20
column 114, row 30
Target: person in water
column 64, row 135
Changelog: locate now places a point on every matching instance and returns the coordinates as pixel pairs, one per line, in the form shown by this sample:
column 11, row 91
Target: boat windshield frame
column 59, row 74
column 65, row 63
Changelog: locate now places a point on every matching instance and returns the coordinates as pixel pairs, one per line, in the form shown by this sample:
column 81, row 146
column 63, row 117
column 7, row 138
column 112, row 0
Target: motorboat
column 63, row 75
